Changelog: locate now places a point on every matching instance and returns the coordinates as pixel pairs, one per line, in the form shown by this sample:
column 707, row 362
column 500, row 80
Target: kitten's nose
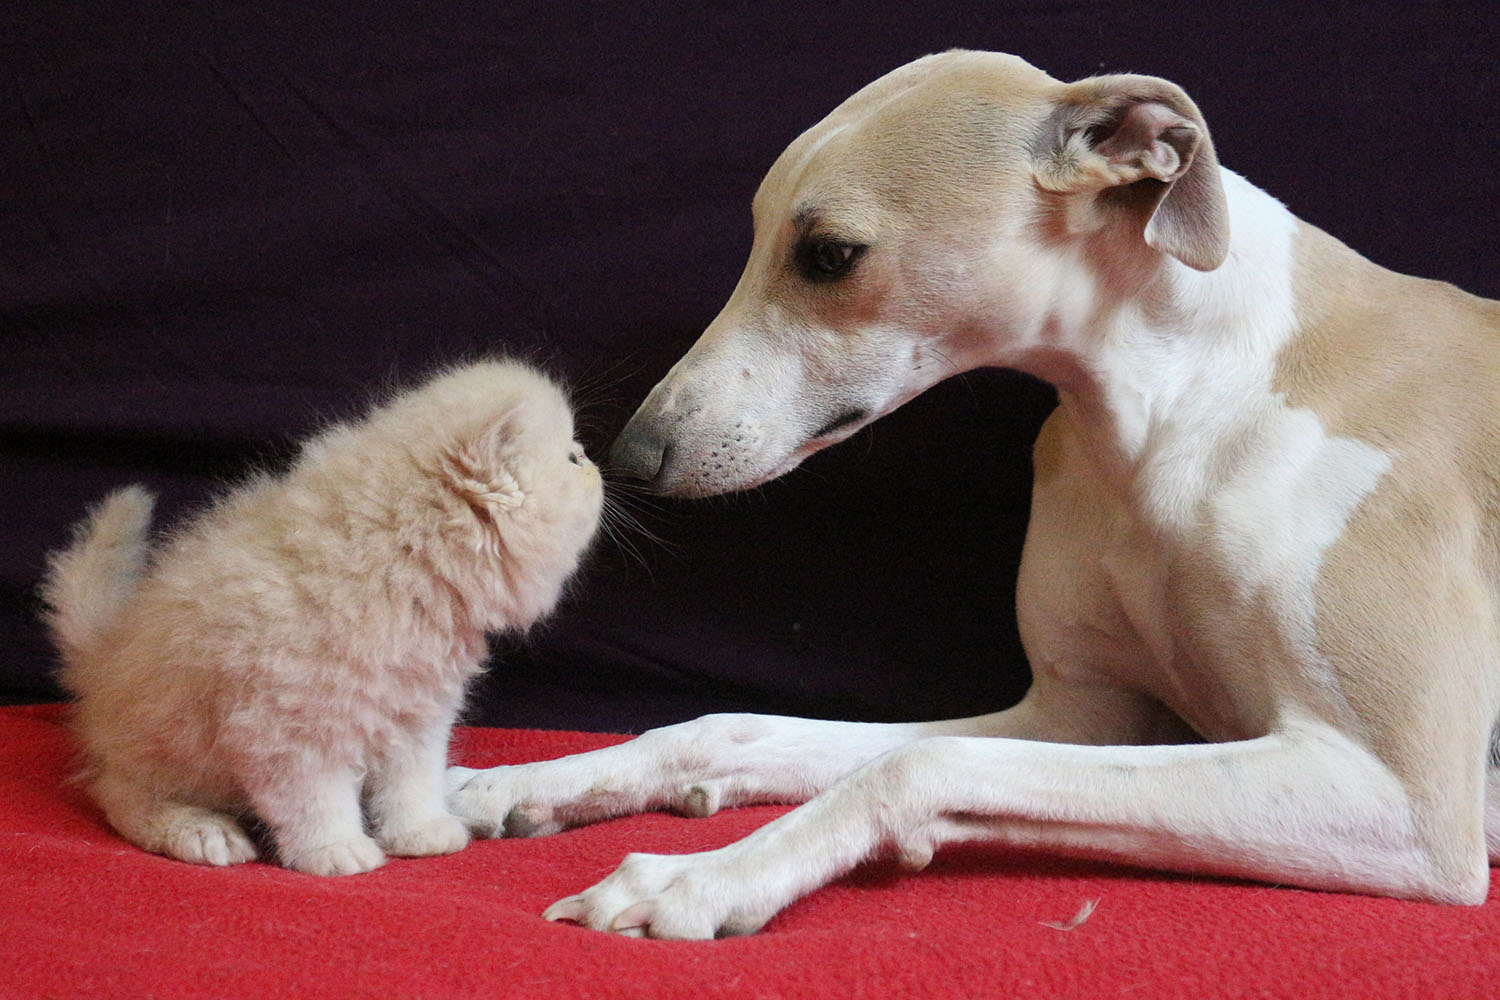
column 640, row 452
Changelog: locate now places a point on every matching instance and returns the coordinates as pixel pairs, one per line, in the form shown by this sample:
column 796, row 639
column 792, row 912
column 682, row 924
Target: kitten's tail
column 88, row 582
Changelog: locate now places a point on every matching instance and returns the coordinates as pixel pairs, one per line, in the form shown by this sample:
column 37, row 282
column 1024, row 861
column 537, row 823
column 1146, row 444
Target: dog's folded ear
column 480, row 469
column 1140, row 141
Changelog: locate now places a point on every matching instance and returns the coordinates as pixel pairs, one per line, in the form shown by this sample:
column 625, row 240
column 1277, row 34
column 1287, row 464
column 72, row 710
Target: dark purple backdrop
column 222, row 223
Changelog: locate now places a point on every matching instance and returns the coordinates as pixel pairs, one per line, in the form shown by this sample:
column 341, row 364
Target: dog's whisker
column 948, row 362
column 590, row 388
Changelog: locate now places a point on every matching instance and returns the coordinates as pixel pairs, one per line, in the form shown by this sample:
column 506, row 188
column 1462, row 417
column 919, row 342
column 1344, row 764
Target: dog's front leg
column 693, row 768
column 718, row 761
column 1303, row 806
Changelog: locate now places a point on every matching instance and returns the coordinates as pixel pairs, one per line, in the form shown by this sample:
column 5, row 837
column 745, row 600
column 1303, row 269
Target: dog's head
column 964, row 210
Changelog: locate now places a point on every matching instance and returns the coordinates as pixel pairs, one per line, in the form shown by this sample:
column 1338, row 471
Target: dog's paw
column 534, row 800
column 346, row 857
column 439, row 835
column 208, row 839
column 677, row 897
column 501, row 802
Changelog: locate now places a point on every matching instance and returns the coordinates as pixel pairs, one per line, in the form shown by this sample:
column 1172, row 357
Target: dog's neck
column 1150, row 379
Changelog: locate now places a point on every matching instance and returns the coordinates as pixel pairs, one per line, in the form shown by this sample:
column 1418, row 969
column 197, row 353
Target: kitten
column 303, row 646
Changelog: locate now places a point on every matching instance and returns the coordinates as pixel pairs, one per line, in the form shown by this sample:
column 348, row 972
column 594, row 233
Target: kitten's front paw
column 439, row 835
column 208, row 839
column 346, row 857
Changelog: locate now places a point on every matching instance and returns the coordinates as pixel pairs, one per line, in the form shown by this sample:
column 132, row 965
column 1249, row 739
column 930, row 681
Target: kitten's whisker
column 624, row 528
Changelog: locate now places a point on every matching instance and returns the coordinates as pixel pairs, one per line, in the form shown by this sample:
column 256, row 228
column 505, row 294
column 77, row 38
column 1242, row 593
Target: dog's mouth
column 662, row 475
column 830, row 433
column 847, row 419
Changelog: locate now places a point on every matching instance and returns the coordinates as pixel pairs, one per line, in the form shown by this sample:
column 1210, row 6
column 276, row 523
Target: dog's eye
column 822, row 259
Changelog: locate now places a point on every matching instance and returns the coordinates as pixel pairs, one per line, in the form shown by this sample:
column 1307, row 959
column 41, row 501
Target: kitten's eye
column 822, row 259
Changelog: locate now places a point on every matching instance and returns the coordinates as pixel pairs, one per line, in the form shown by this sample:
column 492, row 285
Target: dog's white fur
column 1260, row 586
column 305, row 643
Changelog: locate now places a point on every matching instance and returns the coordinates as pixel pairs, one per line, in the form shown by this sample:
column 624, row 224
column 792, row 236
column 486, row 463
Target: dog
column 1260, row 588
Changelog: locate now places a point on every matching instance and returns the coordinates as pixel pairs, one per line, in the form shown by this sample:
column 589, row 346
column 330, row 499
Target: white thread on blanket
column 1084, row 912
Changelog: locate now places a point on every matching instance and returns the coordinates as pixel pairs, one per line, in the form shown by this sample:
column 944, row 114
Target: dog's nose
column 639, row 452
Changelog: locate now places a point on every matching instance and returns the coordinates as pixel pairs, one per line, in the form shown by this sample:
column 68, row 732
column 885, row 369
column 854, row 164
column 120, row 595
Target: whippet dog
column 1260, row 590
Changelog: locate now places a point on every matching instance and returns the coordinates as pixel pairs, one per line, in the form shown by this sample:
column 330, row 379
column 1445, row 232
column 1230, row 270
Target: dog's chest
column 1226, row 595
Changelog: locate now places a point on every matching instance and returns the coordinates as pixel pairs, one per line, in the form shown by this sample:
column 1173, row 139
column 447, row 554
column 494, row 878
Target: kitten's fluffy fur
column 302, row 647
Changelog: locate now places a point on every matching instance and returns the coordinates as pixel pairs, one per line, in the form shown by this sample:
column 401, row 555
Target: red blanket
column 86, row 914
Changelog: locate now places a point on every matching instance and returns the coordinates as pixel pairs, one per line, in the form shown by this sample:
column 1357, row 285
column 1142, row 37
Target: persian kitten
column 299, row 651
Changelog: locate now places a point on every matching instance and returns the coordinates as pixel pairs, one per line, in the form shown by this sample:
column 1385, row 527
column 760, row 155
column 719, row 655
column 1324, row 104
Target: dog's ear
column 480, row 469
column 1140, row 140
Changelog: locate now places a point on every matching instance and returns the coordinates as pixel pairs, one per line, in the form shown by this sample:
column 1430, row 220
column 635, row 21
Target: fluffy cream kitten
column 302, row 647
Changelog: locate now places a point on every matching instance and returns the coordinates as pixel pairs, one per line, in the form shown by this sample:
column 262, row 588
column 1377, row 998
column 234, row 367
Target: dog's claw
column 635, row 917
column 567, row 911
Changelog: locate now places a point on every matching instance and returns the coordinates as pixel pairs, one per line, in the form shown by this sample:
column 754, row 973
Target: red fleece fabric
column 87, row 914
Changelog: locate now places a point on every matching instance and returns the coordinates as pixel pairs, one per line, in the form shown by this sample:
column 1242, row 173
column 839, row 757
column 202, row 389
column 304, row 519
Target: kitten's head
column 527, row 497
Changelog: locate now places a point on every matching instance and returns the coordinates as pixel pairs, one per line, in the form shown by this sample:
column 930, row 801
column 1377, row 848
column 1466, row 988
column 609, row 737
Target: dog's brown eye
column 821, row 259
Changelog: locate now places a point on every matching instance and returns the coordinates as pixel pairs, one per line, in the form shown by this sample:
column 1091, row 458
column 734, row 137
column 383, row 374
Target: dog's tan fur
column 1409, row 364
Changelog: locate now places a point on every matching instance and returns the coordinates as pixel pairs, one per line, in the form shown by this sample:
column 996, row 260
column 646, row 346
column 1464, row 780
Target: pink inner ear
column 1152, row 135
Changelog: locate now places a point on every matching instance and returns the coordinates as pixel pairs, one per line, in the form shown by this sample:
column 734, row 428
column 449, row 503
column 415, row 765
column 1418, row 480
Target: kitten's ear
column 481, row 468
